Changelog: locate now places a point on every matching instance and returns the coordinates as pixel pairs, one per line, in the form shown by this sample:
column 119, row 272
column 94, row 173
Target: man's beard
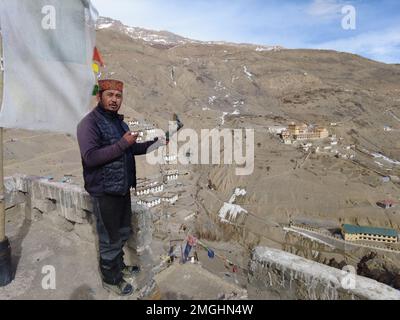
column 101, row 105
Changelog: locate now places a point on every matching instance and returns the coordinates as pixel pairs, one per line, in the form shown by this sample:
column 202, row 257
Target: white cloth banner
column 47, row 50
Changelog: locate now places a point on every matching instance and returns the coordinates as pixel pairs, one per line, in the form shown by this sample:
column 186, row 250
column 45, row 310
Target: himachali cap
column 110, row 84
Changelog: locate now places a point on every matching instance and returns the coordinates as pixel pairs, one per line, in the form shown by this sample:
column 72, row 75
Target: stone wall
column 69, row 207
column 282, row 275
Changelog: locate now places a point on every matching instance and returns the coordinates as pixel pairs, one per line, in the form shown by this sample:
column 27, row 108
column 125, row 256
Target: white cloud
column 382, row 46
column 326, row 9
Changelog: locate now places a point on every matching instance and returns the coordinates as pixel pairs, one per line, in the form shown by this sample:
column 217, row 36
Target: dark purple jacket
column 100, row 155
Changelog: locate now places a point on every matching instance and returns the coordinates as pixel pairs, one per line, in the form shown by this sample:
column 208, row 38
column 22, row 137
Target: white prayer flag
column 47, row 51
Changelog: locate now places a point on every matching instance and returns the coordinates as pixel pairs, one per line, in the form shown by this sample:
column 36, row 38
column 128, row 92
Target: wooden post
column 2, row 196
column 2, row 205
column 5, row 248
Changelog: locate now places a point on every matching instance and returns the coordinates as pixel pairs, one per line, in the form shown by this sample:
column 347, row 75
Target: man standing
column 108, row 149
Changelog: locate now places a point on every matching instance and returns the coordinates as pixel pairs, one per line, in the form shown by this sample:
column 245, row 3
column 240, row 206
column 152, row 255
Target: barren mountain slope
column 222, row 85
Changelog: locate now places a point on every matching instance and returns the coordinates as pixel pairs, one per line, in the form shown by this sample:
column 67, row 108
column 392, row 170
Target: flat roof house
column 356, row 233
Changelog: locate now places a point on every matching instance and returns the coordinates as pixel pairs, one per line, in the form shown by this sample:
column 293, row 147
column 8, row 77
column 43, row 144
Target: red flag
column 97, row 57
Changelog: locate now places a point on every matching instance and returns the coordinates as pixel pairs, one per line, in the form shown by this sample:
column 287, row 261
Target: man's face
column 111, row 100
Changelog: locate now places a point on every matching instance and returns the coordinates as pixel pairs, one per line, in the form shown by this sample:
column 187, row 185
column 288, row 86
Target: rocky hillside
column 225, row 85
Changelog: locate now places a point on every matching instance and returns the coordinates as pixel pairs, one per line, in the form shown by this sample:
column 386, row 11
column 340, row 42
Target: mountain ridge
column 166, row 38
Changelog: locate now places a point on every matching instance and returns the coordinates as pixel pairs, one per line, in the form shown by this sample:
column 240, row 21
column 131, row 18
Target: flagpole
column 5, row 249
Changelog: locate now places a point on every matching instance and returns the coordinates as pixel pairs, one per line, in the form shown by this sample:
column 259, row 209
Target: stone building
column 149, row 202
column 149, row 189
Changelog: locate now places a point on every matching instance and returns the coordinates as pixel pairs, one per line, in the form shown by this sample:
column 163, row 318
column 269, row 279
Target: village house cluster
column 313, row 138
column 153, row 193
column 145, row 132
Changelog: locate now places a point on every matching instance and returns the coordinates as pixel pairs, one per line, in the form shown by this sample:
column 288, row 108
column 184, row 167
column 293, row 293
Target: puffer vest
column 116, row 174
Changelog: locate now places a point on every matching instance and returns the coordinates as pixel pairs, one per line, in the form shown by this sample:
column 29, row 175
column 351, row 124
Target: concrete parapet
column 72, row 203
column 292, row 277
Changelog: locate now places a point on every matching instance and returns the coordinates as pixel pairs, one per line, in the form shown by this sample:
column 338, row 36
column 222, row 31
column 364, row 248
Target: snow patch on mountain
column 104, row 26
column 271, row 48
column 247, row 73
column 165, row 38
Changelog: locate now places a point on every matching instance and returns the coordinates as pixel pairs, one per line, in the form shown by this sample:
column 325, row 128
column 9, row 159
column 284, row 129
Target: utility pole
column 5, row 248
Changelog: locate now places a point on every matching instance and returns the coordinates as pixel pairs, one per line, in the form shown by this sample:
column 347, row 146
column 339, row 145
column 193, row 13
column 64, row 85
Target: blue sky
column 289, row 23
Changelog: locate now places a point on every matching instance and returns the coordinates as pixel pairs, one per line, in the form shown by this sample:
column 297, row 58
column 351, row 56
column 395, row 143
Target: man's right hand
column 130, row 137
